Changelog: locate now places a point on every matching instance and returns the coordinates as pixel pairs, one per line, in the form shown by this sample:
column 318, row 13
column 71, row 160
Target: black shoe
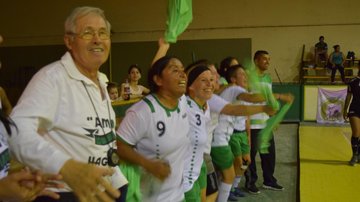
column 354, row 160
column 274, row 187
column 237, row 192
column 252, row 189
column 232, row 197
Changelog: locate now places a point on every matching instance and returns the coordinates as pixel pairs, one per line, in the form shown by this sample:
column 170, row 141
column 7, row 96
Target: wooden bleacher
column 309, row 73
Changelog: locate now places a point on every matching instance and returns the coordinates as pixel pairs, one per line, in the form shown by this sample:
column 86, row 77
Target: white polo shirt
column 57, row 121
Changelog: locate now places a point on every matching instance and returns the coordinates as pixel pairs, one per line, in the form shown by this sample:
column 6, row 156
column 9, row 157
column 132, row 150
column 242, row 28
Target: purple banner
column 330, row 106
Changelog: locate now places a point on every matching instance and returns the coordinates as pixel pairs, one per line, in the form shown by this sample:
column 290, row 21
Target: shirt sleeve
column 37, row 108
column 217, row 103
column 133, row 127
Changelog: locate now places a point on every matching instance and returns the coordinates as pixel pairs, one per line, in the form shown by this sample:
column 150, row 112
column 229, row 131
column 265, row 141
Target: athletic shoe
column 232, row 197
column 252, row 189
column 274, row 187
column 237, row 192
column 354, row 160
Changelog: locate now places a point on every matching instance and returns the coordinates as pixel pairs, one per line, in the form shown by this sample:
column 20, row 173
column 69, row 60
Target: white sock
column 236, row 182
column 224, row 191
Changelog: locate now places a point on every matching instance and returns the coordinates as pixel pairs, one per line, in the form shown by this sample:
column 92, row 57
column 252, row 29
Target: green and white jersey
column 230, row 94
column 216, row 104
column 258, row 121
column 4, row 152
column 225, row 128
column 240, row 121
column 159, row 133
column 198, row 117
column 223, row 131
column 64, row 115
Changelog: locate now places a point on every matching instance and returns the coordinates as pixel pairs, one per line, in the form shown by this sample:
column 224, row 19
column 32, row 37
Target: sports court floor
column 312, row 165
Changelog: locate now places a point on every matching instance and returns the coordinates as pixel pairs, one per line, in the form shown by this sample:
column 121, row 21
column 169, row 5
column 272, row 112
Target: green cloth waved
column 179, row 17
column 133, row 174
column 265, row 134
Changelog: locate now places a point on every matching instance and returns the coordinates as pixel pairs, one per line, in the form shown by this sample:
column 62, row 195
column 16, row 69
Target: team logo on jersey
column 100, row 139
column 91, row 132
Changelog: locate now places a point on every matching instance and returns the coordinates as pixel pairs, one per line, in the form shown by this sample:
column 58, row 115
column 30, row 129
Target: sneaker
column 252, row 189
column 354, row 160
column 232, row 197
column 274, row 187
column 237, row 192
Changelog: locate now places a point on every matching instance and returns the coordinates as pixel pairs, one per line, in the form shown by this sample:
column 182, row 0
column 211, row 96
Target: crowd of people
column 190, row 123
column 335, row 61
column 130, row 89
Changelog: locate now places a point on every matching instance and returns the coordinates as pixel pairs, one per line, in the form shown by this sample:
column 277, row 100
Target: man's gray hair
column 70, row 23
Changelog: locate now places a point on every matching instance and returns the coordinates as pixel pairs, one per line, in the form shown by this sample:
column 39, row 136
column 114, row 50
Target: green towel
column 265, row 134
column 179, row 17
column 132, row 173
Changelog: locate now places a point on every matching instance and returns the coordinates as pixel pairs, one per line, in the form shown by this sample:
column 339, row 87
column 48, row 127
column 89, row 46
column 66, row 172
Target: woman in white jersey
column 153, row 134
column 199, row 90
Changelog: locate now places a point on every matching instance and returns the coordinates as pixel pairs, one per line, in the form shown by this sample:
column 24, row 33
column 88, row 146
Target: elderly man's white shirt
column 57, row 120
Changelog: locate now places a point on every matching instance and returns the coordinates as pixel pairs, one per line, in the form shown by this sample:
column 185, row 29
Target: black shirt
column 354, row 89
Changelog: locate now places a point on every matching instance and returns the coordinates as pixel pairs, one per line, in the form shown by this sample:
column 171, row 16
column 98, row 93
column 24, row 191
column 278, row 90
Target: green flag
column 265, row 134
column 179, row 17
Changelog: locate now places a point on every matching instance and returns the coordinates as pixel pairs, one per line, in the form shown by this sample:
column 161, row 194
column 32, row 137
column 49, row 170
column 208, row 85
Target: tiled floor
column 286, row 171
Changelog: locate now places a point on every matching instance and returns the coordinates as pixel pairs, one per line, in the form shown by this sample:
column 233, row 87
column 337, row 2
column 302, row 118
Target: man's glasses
column 89, row 34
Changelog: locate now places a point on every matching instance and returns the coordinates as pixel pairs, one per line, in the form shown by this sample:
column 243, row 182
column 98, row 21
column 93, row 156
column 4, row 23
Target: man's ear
column 68, row 41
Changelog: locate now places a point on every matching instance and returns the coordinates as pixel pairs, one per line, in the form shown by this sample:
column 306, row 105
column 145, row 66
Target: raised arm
column 244, row 110
column 162, row 50
column 250, row 97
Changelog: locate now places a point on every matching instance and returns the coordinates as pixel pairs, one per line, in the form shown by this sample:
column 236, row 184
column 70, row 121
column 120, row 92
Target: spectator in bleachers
column 321, row 52
column 136, row 90
column 336, row 60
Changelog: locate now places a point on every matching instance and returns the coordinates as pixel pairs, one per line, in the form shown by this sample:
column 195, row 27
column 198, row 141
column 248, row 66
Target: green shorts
column 194, row 194
column 239, row 144
column 222, row 157
column 203, row 176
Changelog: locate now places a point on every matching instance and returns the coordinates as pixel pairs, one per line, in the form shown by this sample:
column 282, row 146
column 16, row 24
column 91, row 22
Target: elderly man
column 65, row 120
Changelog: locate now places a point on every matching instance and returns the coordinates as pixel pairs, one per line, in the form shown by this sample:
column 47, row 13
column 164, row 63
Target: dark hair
column 336, row 46
column 259, row 53
column 194, row 72
column 7, row 122
column 156, row 70
column 134, row 66
column 111, row 85
column 321, row 37
column 225, row 64
column 232, row 71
